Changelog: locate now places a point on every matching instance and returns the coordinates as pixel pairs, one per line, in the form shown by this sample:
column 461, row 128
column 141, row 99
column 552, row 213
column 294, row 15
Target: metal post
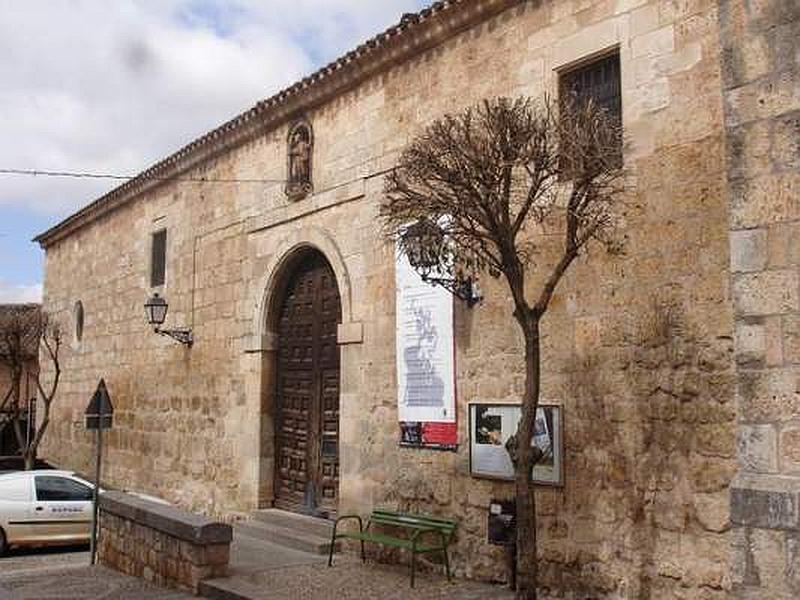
column 95, row 507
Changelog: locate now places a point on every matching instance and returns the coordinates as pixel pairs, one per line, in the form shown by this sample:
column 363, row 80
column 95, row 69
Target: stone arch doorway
column 306, row 315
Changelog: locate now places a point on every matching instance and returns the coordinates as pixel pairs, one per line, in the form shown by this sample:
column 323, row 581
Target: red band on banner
column 439, row 433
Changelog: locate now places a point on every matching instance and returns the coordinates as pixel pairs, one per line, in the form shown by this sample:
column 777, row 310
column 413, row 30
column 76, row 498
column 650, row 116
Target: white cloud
column 114, row 86
column 10, row 293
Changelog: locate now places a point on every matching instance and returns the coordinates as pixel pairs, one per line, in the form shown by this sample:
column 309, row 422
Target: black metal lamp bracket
column 184, row 336
column 464, row 290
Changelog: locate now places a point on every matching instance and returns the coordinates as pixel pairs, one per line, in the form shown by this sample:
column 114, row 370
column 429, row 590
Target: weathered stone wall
column 637, row 349
column 175, row 409
column 161, row 544
column 761, row 75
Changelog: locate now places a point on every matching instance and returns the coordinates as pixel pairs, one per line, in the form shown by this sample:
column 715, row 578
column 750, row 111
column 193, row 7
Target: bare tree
column 488, row 190
column 25, row 336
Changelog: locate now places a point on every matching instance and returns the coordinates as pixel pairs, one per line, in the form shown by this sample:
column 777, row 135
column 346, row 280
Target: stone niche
column 160, row 543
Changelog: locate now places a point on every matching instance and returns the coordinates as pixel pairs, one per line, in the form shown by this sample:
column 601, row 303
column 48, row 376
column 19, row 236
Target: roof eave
column 414, row 35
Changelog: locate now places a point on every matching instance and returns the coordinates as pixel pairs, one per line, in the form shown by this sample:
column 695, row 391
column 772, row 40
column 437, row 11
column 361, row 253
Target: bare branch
column 488, row 171
column 8, row 395
column 470, row 183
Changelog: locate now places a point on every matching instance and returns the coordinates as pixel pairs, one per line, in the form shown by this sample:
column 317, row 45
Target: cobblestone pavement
column 31, row 559
column 349, row 579
column 79, row 583
column 65, row 576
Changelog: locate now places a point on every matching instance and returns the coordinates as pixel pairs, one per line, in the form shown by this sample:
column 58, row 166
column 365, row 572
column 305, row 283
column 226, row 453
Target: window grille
column 599, row 81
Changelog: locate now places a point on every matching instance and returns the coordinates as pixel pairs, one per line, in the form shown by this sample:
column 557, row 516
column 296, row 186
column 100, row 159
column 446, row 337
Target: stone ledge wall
column 161, row 544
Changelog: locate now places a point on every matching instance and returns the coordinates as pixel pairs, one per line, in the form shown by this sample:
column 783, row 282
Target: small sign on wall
column 502, row 525
column 490, row 426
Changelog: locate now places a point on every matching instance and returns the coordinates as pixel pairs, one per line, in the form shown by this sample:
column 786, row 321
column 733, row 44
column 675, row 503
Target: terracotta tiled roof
column 414, row 33
column 26, row 316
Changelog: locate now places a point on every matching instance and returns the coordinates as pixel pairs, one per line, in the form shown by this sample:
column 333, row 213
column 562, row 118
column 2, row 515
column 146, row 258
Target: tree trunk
column 32, row 449
column 526, row 459
column 16, row 403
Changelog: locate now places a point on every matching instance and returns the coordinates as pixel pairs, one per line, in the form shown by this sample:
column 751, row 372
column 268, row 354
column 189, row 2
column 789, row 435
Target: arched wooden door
column 307, row 395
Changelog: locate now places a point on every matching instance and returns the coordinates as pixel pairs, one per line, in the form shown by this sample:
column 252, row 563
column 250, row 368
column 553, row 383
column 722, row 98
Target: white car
column 44, row 507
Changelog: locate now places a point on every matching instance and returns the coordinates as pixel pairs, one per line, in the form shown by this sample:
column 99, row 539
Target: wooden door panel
column 292, row 435
column 307, row 395
column 329, row 481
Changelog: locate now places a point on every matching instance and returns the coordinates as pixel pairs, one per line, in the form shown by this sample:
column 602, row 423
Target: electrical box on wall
column 502, row 522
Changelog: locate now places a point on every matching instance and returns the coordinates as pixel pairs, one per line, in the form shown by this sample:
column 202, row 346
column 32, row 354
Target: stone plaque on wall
column 426, row 403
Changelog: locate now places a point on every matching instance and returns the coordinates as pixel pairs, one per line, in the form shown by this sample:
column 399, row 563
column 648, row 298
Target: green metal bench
column 438, row 533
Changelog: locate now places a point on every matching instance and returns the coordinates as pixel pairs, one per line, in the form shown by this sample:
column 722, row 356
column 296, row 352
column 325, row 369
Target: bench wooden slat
column 412, row 521
column 414, row 517
column 388, row 540
column 413, row 524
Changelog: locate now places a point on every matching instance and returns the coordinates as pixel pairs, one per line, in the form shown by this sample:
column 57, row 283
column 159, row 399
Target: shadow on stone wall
column 649, row 454
column 650, row 457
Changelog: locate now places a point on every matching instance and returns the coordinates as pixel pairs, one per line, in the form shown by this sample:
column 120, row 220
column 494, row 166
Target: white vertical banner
column 425, row 350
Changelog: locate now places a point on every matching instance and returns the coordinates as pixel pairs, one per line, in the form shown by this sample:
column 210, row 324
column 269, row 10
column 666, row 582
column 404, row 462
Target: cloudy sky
column 111, row 87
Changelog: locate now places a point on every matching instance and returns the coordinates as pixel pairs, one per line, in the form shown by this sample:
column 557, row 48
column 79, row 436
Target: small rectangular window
column 158, row 259
column 600, row 82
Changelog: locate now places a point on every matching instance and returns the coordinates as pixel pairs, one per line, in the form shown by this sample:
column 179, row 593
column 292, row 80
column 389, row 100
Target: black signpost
column 99, row 416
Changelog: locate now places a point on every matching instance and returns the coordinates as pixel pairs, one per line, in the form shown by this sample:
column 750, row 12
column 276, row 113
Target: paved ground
column 259, row 570
column 81, row 583
column 348, row 579
column 32, row 559
column 64, row 574
column 250, row 555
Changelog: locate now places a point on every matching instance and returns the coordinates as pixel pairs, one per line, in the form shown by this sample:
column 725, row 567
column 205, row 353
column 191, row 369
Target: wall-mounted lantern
column 426, row 248
column 156, row 310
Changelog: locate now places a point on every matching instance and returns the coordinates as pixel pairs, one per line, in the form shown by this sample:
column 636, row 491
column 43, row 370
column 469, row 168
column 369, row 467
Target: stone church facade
column 675, row 365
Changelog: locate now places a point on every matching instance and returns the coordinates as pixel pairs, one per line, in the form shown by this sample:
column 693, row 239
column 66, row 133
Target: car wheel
column 3, row 546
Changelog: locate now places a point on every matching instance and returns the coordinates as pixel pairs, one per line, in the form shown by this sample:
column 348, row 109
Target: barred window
column 598, row 81
column 158, row 258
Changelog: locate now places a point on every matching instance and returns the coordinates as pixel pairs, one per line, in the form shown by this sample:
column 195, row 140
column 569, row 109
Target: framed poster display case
column 490, row 427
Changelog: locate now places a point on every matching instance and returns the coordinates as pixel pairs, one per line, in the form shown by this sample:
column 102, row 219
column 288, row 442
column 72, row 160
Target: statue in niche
column 301, row 145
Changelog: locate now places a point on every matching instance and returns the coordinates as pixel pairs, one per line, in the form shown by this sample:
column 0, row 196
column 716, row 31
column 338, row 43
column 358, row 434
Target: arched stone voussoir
column 263, row 338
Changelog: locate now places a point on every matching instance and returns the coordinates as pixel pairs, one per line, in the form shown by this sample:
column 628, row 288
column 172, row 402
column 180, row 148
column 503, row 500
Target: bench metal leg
column 363, row 556
column 447, row 564
column 413, row 565
column 330, row 552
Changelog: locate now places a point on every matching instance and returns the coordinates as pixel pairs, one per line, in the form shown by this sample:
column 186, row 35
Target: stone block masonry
column 761, row 78
column 638, row 349
column 162, row 544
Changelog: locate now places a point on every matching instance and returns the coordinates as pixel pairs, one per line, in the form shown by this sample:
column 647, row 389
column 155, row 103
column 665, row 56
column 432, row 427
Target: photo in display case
column 490, row 427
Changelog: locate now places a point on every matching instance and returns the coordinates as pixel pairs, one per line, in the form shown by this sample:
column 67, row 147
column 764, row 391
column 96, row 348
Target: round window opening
column 78, row 315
